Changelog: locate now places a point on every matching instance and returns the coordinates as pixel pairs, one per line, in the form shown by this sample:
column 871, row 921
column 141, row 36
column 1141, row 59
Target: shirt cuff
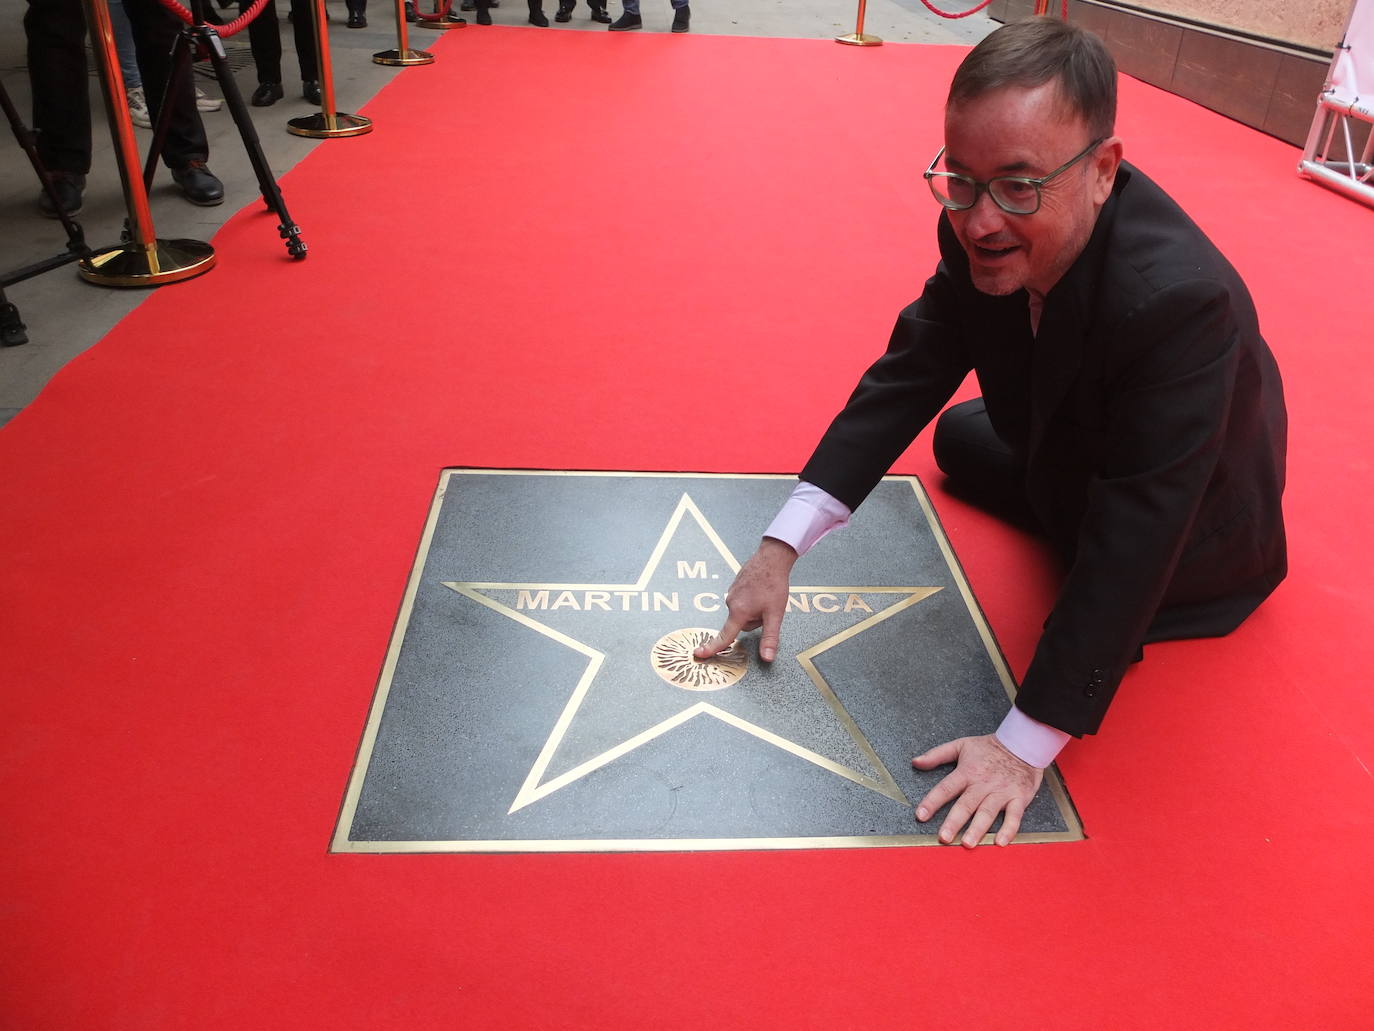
column 1030, row 740
column 807, row 516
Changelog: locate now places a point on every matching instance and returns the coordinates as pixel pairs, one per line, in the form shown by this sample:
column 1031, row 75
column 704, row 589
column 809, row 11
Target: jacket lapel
column 1064, row 325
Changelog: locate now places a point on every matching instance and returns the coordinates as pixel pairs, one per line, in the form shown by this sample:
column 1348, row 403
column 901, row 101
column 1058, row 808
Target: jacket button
column 1093, row 685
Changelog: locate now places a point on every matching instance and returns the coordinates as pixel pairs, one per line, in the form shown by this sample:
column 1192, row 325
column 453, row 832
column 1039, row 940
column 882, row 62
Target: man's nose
column 985, row 218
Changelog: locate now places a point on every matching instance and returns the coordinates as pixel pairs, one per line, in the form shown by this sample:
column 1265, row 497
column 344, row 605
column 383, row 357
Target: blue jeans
column 124, row 43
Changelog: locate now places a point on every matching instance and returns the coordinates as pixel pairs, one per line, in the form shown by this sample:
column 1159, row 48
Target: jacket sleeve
column 1167, row 402
column 900, row 393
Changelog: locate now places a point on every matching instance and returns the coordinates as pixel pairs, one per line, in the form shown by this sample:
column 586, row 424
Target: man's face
column 1026, row 132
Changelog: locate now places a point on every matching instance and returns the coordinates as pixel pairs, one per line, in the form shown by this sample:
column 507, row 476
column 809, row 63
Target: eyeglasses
column 1014, row 194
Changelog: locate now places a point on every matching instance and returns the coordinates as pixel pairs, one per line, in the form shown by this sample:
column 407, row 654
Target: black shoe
column 483, row 16
column 599, row 12
column 467, row 5
column 357, row 20
column 68, row 187
column 537, row 16
column 310, row 90
column 410, row 11
column 199, row 184
column 626, row 22
column 565, row 10
column 267, row 94
column 682, row 19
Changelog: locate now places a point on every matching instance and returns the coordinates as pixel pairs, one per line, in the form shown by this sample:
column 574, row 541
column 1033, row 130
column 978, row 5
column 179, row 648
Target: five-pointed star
column 617, row 627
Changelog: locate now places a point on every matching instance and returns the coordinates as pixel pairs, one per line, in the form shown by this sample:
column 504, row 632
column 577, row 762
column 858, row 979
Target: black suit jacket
column 1149, row 414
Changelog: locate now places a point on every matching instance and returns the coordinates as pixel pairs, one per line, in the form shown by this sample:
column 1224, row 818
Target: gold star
column 775, row 703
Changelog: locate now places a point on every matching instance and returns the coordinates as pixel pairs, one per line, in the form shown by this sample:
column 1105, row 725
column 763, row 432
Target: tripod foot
column 11, row 327
column 295, row 246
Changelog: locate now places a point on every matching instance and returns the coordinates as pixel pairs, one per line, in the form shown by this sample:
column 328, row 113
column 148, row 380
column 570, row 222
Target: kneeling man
column 1129, row 406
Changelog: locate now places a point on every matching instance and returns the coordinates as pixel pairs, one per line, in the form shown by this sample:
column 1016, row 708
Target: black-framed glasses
column 1014, row 194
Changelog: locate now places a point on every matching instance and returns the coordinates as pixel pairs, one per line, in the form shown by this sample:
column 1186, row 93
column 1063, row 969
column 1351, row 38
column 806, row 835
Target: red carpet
column 573, row 250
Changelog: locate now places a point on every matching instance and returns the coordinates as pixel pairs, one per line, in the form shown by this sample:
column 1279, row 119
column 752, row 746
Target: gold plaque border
column 341, row 844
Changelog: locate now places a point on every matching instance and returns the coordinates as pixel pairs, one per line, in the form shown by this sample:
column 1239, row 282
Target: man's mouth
column 993, row 253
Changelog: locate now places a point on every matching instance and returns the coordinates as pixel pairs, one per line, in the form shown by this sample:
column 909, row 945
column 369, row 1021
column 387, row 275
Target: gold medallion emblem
column 672, row 659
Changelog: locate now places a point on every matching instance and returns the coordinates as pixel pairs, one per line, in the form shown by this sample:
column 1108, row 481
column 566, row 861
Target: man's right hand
column 757, row 598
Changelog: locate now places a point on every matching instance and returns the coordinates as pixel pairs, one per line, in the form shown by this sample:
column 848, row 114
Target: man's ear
column 1106, row 160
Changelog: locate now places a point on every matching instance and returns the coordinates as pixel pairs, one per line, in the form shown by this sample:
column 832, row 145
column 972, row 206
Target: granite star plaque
column 539, row 692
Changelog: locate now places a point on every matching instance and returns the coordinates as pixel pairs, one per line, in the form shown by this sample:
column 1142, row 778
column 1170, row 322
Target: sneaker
column 626, row 22
column 204, row 103
column 138, row 108
column 682, row 19
column 68, row 186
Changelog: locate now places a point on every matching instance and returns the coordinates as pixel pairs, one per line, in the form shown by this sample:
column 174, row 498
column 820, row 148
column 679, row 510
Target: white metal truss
column 1345, row 113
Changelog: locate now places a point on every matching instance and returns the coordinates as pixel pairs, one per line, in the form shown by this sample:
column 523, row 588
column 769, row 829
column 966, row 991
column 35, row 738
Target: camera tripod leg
column 180, row 73
column 267, row 182
column 191, row 39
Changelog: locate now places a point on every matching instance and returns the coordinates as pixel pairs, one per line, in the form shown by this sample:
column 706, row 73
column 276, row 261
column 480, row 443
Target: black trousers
column 981, row 468
column 56, row 31
column 264, row 37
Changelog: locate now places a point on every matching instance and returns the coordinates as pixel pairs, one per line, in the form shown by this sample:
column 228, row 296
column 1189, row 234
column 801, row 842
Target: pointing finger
column 721, row 642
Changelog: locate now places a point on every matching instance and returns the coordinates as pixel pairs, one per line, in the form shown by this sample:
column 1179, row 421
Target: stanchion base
column 403, row 57
column 440, row 24
column 167, row 261
column 857, row 39
column 318, row 127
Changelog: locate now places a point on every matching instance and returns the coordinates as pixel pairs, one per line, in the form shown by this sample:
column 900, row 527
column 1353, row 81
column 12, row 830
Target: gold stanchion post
column 402, row 54
column 858, row 38
column 144, row 260
column 329, row 122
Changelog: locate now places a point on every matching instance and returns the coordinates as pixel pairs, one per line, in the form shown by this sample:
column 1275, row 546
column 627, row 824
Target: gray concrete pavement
column 65, row 315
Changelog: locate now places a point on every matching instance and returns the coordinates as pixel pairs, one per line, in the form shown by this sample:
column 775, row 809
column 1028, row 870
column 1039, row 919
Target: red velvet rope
column 439, row 15
column 962, row 14
column 1063, row 9
column 224, row 31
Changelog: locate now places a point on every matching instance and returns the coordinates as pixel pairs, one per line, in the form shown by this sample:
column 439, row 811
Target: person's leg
column 264, row 39
column 537, row 14
column 682, row 16
column 186, row 149
column 303, row 34
column 154, row 33
column 357, row 14
column 56, row 31
column 56, row 34
column 629, row 19
column 124, row 43
column 980, row 466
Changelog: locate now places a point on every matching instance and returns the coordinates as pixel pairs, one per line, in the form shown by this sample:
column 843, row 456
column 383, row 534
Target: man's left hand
column 987, row 780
